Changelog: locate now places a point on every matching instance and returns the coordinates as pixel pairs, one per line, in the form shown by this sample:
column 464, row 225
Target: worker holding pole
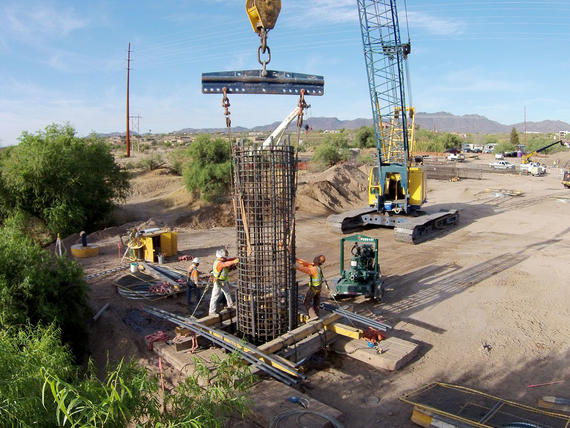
column 313, row 296
column 192, row 281
column 221, row 277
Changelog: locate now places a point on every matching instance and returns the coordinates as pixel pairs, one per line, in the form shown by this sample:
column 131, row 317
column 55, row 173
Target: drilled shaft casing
column 264, row 201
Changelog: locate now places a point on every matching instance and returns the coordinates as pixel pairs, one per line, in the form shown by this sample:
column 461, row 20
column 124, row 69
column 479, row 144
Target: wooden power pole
column 128, row 70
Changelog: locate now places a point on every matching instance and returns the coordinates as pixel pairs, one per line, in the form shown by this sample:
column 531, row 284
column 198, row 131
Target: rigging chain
column 262, row 49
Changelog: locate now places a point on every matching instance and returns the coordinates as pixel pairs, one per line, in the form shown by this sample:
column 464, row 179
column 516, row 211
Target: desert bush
column 365, row 137
column 208, row 173
column 70, row 183
column 429, row 141
column 333, row 149
column 150, row 163
column 178, row 159
column 39, row 288
column 504, row 146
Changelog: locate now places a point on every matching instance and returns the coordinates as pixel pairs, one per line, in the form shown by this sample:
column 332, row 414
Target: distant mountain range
column 441, row 121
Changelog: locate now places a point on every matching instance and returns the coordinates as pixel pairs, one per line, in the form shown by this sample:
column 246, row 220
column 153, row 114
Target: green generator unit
column 362, row 276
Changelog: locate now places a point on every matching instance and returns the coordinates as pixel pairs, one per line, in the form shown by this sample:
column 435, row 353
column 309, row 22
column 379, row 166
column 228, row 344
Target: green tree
column 333, row 149
column 365, row 137
column 504, row 146
column 69, row 182
column 38, row 288
column 208, row 173
column 514, row 138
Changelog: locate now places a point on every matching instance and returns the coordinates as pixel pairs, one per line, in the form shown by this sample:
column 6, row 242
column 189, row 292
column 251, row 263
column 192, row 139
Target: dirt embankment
column 162, row 196
column 337, row 189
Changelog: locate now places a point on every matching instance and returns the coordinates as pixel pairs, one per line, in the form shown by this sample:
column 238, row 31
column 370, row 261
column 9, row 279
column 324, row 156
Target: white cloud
column 36, row 22
column 331, row 11
column 433, row 24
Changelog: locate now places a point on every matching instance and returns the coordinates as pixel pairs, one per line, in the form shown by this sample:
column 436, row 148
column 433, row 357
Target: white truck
column 533, row 168
column 459, row 157
column 502, row 164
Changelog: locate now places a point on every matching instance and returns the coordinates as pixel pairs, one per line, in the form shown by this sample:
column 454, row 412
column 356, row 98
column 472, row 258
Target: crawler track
column 412, row 230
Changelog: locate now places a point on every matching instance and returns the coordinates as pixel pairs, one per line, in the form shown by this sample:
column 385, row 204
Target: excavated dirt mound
column 337, row 189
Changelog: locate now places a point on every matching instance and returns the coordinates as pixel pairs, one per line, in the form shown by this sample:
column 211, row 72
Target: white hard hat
column 196, row 260
column 221, row 253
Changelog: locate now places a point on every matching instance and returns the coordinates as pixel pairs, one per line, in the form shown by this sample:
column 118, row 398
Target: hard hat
column 196, row 260
column 319, row 260
column 221, row 253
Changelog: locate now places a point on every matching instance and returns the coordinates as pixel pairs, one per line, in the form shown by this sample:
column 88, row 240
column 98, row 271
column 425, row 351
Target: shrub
column 333, row 149
column 37, row 287
column 68, row 182
column 208, row 173
column 151, row 162
column 178, row 159
column 365, row 137
column 24, row 354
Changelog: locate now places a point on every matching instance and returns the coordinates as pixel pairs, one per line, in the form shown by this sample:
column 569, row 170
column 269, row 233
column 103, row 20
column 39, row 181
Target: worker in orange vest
column 221, row 277
column 192, row 281
column 313, row 296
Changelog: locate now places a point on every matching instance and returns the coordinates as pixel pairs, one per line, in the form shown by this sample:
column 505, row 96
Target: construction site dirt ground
column 488, row 301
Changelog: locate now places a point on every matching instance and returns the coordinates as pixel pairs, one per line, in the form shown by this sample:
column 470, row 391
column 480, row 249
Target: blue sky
column 65, row 61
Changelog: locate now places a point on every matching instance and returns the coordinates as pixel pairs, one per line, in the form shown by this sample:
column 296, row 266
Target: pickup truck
column 459, row 157
column 502, row 164
column 533, row 168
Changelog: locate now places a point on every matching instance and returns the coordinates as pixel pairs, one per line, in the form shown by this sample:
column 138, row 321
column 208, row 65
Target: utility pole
column 138, row 118
column 128, row 72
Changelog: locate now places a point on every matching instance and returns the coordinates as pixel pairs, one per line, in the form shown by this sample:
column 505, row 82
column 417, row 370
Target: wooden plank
column 395, row 352
column 554, row 403
column 298, row 334
column 209, row 320
column 309, row 346
column 345, row 330
column 270, row 398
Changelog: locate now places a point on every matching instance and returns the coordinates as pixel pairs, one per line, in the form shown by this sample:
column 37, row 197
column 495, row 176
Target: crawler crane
column 397, row 188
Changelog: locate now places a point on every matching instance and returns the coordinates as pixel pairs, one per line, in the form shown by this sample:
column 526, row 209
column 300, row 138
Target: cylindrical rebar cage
column 264, row 203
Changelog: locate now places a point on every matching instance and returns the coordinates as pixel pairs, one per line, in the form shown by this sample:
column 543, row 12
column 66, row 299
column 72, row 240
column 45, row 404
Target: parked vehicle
column 566, row 178
column 459, row 157
column 533, row 168
column 502, row 164
column 499, row 156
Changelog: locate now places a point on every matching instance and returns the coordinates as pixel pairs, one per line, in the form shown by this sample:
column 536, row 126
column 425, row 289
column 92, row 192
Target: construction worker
column 192, row 281
column 221, row 277
column 313, row 296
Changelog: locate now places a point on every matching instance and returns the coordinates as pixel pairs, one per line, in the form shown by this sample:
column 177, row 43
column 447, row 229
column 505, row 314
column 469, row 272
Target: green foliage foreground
column 39, row 386
column 37, row 287
column 68, row 182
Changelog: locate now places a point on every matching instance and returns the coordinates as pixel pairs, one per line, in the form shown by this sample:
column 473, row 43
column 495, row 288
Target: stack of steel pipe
column 266, row 363
column 264, row 198
column 353, row 316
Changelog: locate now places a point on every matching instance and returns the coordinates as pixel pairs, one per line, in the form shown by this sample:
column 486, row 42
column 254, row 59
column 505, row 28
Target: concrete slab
column 185, row 361
column 396, row 353
column 270, row 398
